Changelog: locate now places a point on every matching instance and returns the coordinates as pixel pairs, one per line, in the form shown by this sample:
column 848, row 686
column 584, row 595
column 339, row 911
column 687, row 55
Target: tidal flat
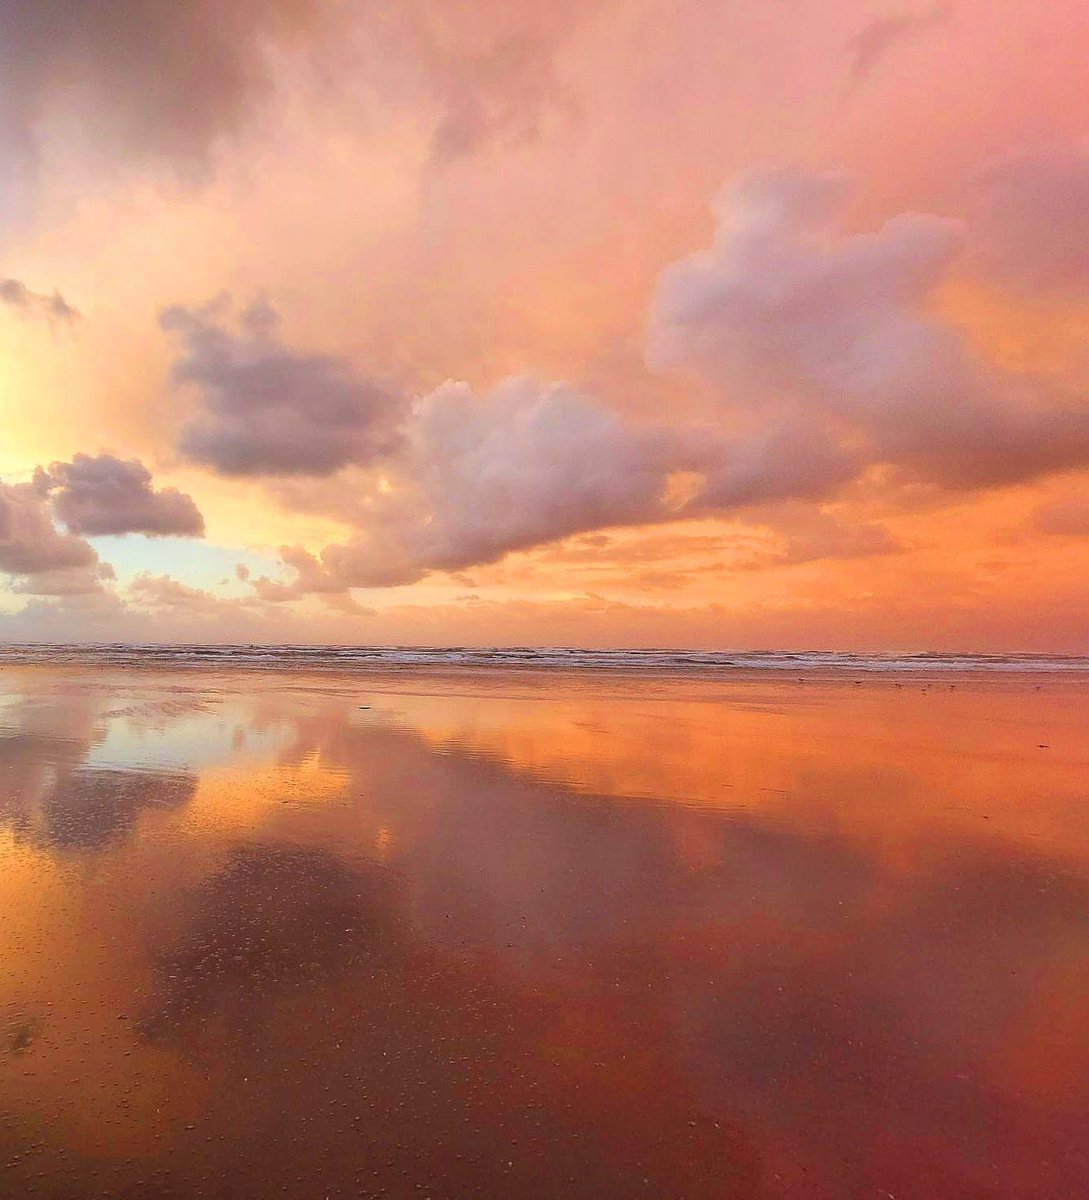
column 543, row 934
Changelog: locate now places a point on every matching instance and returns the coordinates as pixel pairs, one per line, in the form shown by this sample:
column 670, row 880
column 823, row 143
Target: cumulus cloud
column 820, row 351
column 1030, row 219
column 165, row 592
column 527, row 463
column 532, row 463
column 786, row 316
column 100, row 494
column 263, row 409
column 881, row 36
column 779, row 308
column 150, row 79
column 30, row 544
column 16, row 295
column 90, row 496
column 480, row 477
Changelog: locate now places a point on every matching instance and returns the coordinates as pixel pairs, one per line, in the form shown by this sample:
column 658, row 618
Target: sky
column 717, row 323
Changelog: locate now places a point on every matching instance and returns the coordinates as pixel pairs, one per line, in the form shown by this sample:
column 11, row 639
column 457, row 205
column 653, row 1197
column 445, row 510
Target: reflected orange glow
column 510, row 931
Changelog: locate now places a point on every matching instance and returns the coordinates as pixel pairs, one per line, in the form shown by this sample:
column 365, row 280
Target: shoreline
column 488, row 662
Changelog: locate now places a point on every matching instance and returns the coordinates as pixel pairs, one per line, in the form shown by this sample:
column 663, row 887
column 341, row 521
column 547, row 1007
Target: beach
column 432, row 930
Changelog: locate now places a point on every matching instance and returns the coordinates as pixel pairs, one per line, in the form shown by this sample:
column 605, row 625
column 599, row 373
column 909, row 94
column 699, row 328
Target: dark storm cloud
column 99, row 495
column 264, row 409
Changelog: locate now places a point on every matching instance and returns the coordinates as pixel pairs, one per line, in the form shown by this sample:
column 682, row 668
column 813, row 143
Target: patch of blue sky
column 193, row 562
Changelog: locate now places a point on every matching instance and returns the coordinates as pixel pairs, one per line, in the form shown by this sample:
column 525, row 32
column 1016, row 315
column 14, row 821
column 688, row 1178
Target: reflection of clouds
column 186, row 730
column 55, row 803
column 270, row 919
column 354, row 1056
column 883, row 1043
column 815, row 982
column 52, row 796
column 415, row 944
column 31, row 766
column 156, row 714
column 491, row 855
column 90, row 809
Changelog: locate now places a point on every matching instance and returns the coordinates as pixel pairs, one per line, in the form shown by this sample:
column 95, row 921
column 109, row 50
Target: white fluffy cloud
column 784, row 314
column 480, row 477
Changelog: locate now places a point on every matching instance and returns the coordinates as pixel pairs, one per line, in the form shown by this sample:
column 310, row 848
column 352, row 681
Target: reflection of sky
column 189, row 743
column 860, row 958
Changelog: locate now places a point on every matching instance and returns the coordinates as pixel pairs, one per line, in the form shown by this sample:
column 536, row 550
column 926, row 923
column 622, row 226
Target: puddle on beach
column 542, row 936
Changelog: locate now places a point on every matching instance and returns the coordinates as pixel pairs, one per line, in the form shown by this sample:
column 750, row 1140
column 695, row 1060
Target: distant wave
column 557, row 658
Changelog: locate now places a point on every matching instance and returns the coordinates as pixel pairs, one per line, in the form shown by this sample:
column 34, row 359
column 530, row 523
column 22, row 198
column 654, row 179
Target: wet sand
column 537, row 935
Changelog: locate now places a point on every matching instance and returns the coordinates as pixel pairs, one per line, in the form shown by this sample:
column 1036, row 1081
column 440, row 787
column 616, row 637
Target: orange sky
column 616, row 322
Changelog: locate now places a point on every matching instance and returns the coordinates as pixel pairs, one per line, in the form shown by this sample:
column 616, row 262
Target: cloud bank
column 821, row 354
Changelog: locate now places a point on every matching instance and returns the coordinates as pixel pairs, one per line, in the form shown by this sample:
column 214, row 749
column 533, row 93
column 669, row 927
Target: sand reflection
column 542, row 936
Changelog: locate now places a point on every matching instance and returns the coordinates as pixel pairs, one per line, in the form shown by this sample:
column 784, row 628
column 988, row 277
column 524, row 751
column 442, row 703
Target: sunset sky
column 721, row 323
